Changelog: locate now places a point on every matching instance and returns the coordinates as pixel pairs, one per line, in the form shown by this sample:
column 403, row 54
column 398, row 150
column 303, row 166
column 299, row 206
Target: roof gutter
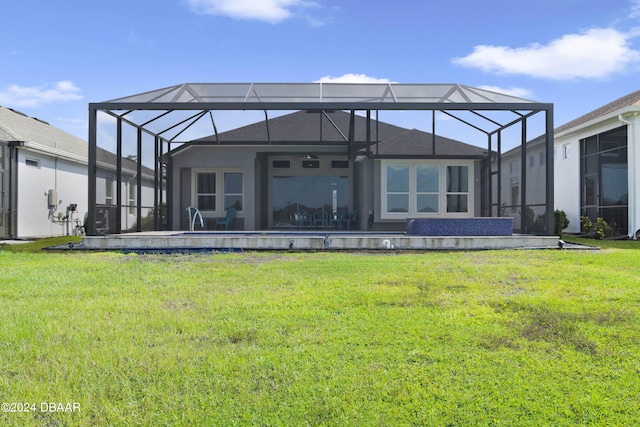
column 50, row 151
column 13, row 187
column 596, row 121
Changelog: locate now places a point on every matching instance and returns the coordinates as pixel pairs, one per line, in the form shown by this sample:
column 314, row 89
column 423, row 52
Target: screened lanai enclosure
column 383, row 153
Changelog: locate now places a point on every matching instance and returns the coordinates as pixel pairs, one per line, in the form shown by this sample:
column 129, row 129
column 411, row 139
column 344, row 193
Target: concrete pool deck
column 308, row 240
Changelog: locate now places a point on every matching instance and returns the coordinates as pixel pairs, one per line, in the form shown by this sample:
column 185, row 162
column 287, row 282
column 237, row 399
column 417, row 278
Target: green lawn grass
column 604, row 243
column 498, row 338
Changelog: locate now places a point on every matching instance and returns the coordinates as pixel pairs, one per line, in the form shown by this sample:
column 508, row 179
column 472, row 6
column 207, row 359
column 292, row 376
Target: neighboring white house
column 597, row 166
column 596, row 161
column 43, row 178
column 43, row 172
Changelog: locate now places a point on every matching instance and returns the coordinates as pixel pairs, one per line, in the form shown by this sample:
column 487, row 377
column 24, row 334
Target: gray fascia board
column 260, row 144
column 428, row 156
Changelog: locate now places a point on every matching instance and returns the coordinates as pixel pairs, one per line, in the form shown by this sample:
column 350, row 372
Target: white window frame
column 457, row 193
column 197, row 194
column 220, row 194
column 131, row 197
column 108, row 191
column 515, row 167
column 427, row 193
column 515, row 197
column 413, row 193
column 225, row 194
column 387, row 193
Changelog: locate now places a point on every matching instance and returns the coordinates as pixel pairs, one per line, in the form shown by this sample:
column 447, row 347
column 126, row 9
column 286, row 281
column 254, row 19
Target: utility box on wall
column 52, row 198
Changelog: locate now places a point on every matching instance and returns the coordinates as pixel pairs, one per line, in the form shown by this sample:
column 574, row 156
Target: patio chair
column 353, row 220
column 338, row 219
column 194, row 214
column 102, row 224
column 320, row 218
column 303, row 219
column 227, row 220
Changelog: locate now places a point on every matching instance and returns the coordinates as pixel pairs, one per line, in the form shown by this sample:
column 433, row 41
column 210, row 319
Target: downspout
column 13, row 187
column 632, row 169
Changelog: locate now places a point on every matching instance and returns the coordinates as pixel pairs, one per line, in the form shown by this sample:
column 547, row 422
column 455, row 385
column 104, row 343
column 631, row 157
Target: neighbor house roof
column 40, row 135
column 302, row 126
column 108, row 160
column 617, row 106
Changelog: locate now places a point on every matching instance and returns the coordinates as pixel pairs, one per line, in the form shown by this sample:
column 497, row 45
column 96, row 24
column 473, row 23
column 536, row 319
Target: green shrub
column 537, row 224
column 586, row 226
column 560, row 222
column 599, row 230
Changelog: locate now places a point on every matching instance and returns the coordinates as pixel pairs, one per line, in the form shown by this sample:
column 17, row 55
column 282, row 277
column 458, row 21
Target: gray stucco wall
column 223, row 158
column 365, row 192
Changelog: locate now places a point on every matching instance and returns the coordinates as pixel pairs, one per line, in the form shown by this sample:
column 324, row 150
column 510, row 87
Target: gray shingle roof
column 418, row 143
column 632, row 99
column 302, row 126
column 16, row 126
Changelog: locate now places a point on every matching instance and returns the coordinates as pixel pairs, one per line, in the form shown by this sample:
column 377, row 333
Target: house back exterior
column 270, row 179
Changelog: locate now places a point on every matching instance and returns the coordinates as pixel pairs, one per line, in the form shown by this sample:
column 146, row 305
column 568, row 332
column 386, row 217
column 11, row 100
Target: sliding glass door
column 604, row 176
column 292, row 194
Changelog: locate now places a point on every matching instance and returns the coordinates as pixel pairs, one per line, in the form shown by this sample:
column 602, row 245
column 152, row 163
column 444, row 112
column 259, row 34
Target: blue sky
column 56, row 57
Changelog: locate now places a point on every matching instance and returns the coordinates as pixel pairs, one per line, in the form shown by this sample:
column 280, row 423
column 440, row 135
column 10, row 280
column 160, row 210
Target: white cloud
column 35, row 96
column 272, row 11
column 352, row 78
column 518, row 92
column 596, row 53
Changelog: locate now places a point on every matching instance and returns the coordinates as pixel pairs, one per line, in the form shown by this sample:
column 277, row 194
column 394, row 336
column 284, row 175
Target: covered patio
column 149, row 128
